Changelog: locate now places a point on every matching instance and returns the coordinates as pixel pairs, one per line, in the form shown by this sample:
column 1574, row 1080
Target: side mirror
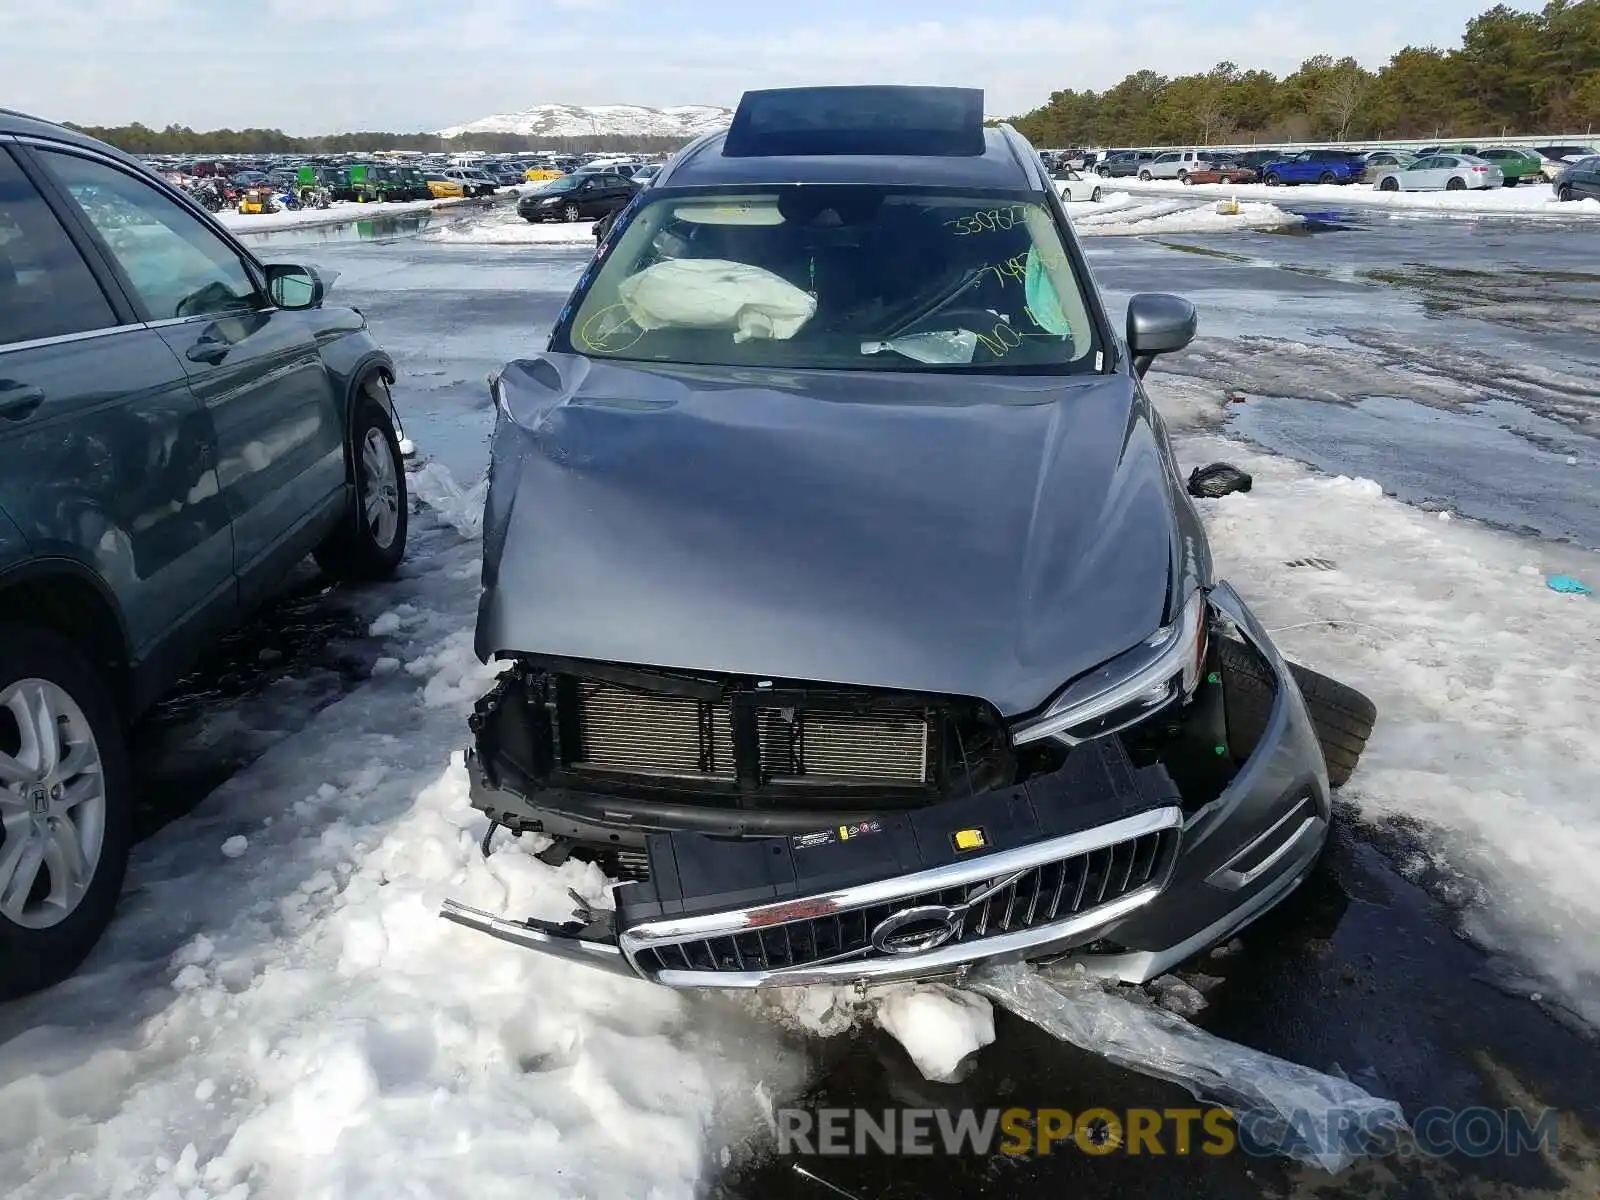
column 1158, row 324
column 293, row 286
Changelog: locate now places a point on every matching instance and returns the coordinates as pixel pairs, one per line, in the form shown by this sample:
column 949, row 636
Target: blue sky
column 311, row 66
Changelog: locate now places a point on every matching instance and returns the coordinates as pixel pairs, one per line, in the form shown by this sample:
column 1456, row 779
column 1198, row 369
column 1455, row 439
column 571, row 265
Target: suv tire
column 54, row 813
column 371, row 539
column 1341, row 716
column 1273, row 179
column 1564, row 192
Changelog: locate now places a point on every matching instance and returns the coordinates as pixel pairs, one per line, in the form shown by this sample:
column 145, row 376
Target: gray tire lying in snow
column 1342, row 716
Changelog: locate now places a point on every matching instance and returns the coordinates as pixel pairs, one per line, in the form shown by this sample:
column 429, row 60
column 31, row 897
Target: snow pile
column 298, row 1021
column 1487, row 683
column 938, row 1025
column 503, row 227
column 336, row 213
column 1169, row 217
column 1528, row 199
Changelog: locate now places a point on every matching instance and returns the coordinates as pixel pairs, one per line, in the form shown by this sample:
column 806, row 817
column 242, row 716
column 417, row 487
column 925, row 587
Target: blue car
column 1314, row 166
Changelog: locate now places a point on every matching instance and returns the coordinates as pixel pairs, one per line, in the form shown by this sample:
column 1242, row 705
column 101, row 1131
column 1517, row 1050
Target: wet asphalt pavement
column 1455, row 361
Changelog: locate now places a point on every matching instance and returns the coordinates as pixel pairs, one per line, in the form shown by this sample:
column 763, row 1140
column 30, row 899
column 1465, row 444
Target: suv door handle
column 208, row 350
column 17, row 401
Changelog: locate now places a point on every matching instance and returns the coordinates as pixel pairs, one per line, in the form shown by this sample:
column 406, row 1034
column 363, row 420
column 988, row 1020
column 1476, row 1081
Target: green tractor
column 362, row 182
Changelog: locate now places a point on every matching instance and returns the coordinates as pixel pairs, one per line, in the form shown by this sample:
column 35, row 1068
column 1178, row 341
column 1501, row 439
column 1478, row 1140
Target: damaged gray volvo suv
column 856, row 615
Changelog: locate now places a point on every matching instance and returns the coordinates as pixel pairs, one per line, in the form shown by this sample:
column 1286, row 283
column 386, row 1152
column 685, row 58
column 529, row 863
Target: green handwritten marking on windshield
column 1000, row 340
column 993, row 220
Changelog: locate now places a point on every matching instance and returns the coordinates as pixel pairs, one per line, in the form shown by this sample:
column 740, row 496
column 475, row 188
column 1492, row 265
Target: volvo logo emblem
column 916, row 930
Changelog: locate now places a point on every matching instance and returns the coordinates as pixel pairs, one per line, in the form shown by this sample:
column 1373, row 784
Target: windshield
column 563, row 184
column 842, row 277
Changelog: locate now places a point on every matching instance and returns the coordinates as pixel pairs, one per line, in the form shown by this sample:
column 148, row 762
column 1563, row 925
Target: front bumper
column 1106, row 869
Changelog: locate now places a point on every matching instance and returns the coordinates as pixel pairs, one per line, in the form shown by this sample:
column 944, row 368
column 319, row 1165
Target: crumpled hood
column 994, row 537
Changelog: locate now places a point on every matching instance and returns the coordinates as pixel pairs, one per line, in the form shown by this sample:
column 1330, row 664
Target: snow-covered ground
column 501, row 226
column 1532, row 199
column 1121, row 214
column 338, row 211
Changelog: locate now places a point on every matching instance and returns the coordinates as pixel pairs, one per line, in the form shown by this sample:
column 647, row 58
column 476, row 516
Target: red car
column 1221, row 173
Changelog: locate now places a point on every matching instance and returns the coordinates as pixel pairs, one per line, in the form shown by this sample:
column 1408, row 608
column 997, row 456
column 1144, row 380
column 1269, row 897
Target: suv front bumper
column 1105, row 868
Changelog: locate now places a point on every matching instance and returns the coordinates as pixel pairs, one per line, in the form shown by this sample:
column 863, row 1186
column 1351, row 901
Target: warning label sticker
column 839, row 833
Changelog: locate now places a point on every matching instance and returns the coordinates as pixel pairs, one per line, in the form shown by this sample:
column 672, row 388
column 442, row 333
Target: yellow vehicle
column 541, row 174
column 256, row 200
column 445, row 188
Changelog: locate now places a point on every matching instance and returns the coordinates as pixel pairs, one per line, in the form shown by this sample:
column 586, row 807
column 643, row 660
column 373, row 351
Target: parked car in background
column 1174, row 164
column 1120, row 164
column 1515, row 165
column 646, row 173
column 1555, row 158
column 1313, row 166
column 1375, row 162
column 576, row 196
column 1441, row 172
column 1075, row 187
column 472, row 180
column 1579, row 180
column 541, row 174
column 443, row 187
column 180, row 425
column 1256, row 159
column 1222, row 171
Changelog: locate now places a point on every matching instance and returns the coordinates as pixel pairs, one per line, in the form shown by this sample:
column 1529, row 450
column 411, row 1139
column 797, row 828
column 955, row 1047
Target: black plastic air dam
column 692, row 873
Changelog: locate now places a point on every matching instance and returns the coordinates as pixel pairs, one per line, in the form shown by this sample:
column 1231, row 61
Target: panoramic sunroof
column 939, row 121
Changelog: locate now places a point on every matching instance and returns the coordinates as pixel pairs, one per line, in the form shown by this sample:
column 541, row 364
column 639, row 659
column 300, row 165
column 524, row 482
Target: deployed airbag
column 715, row 293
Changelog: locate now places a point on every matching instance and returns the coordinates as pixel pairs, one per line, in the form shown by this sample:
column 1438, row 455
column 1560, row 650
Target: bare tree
column 1210, row 116
column 1341, row 100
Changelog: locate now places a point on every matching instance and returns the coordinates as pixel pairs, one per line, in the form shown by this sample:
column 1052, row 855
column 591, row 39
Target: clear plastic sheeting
column 714, row 293
column 1301, row 1113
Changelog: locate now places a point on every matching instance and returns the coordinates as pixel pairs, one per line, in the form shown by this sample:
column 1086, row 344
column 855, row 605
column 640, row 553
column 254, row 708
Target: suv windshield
column 839, row 277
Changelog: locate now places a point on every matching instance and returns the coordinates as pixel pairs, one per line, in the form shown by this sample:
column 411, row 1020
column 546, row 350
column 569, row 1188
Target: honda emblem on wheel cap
column 39, row 798
column 916, row 930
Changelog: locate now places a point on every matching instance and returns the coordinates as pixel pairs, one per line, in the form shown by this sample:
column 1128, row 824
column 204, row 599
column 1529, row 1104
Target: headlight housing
column 1164, row 667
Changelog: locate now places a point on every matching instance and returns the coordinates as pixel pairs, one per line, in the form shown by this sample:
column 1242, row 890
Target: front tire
column 66, row 808
column 1389, row 184
column 572, row 213
column 1144, row 176
column 1564, row 192
column 371, row 539
column 1094, row 196
column 1273, row 179
column 1341, row 716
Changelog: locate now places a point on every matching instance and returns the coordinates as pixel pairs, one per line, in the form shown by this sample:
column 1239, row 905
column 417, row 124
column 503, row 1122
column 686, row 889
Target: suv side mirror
column 293, row 286
column 1158, row 324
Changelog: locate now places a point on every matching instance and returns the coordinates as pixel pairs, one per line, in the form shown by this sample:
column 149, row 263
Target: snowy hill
column 573, row 120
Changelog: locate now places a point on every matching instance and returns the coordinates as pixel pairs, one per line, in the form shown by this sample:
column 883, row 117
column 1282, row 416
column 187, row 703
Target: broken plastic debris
column 1276, row 1103
column 1218, row 479
column 1566, row 583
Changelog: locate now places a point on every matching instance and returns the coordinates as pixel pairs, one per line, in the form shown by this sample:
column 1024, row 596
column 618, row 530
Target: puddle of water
column 1495, row 461
column 362, row 229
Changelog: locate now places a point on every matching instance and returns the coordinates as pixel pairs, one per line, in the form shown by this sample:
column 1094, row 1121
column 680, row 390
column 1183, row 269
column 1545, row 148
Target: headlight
column 551, row 200
column 1159, row 670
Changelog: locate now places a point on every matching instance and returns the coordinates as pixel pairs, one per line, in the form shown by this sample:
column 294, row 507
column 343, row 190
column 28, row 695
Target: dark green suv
column 179, row 425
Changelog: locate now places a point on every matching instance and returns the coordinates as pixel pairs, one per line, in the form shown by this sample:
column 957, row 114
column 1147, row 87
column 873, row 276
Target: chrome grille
column 1051, row 892
column 623, row 729
column 821, row 745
